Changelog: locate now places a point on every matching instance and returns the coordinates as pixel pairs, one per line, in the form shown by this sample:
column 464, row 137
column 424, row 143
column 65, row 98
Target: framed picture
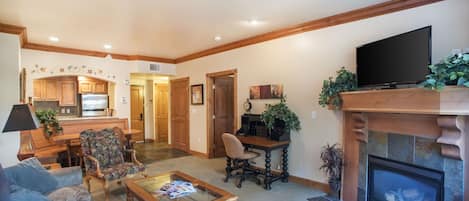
column 197, row 94
column 272, row 91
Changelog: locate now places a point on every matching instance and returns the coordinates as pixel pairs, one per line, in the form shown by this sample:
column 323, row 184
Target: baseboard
column 149, row 140
column 303, row 181
column 198, row 154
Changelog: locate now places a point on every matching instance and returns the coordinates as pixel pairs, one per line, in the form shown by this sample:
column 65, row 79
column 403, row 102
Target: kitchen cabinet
column 62, row 89
column 46, row 90
column 68, row 95
column 90, row 85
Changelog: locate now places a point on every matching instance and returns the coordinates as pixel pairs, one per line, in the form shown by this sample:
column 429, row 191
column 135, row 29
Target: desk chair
column 240, row 157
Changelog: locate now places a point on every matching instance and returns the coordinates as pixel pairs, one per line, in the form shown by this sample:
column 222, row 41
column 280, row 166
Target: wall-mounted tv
column 400, row 59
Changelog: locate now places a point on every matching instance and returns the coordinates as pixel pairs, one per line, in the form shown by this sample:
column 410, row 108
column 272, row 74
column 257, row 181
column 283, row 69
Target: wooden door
column 161, row 123
column 68, row 93
column 223, row 110
column 180, row 114
column 136, row 111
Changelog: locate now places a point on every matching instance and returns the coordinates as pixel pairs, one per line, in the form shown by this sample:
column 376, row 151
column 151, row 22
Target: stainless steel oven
column 94, row 105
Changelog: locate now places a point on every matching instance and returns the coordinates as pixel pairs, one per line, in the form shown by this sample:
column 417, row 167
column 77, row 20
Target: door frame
column 187, row 148
column 143, row 109
column 210, row 110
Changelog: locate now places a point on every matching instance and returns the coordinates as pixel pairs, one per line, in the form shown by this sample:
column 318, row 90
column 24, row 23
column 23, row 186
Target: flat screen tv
column 401, row 59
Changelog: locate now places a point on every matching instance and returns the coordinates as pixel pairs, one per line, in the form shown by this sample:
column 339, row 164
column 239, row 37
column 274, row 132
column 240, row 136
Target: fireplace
column 390, row 180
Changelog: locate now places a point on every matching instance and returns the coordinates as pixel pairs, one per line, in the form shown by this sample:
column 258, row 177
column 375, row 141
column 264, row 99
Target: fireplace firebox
column 390, row 180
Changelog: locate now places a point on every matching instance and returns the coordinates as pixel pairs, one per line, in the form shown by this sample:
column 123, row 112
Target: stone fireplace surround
column 414, row 150
column 428, row 127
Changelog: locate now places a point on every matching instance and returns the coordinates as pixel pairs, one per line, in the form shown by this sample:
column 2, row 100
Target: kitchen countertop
column 71, row 118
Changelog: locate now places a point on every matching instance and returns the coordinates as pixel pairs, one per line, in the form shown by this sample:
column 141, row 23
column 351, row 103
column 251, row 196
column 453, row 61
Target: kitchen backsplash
column 54, row 105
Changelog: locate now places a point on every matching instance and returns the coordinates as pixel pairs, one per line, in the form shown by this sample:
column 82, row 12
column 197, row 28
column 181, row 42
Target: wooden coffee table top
column 143, row 188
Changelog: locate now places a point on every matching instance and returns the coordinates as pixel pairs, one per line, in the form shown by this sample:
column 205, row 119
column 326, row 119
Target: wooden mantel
column 443, row 116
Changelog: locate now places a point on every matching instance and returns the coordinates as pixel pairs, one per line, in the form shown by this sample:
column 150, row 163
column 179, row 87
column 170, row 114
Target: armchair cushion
column 119, row 171
column 71, row 176
column 19, row 193
column 102, row 145
column 31, row 175
column 71, row 193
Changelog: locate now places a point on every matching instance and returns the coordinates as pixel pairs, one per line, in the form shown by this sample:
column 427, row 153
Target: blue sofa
column 28, row 181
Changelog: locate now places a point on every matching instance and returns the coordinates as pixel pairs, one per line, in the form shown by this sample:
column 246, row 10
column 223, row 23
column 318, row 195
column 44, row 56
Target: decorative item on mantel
column 247, row 106
column 453, row 70
column 280, row 120
column 332, row 163
column 345, row 81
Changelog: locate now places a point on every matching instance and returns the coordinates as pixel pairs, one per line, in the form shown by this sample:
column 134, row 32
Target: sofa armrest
column 70, row 176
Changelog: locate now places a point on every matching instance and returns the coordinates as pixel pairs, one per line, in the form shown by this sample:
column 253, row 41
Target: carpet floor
column 212, row 171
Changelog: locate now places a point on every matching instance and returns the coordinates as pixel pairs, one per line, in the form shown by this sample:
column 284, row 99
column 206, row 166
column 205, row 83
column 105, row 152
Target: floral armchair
column 104, row 158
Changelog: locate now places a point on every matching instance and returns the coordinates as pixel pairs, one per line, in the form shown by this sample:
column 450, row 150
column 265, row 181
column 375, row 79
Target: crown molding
column 342, row 18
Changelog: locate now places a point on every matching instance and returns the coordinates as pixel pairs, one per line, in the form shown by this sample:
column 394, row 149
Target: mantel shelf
column 449, row 101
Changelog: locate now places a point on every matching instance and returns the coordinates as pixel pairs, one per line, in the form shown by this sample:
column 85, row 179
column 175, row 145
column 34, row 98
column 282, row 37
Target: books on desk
column 176, row 189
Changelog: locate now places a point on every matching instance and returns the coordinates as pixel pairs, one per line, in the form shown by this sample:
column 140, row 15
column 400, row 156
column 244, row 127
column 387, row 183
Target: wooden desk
column 267, row 145
column 67, row 138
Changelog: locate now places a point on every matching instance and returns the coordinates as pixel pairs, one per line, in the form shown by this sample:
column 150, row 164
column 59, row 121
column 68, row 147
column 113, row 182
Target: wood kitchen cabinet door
column 37, row 88
column 85, row 87
column 68, row 95
column 50, row 90
column 100, row 87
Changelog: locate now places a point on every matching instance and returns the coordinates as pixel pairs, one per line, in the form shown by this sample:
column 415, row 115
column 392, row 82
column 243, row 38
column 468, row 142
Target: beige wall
column 301, row 62
column 9, row 88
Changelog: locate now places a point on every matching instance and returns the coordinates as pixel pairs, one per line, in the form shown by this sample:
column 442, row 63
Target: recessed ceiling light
column 253, row 22
column 217, row 38
column 54, row 38
column 107, row 46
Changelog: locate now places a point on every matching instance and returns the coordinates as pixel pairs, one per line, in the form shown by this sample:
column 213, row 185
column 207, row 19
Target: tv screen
column 401, row 59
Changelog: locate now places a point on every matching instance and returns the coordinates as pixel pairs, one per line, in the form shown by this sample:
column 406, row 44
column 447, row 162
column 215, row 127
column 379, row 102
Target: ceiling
column 161, row 28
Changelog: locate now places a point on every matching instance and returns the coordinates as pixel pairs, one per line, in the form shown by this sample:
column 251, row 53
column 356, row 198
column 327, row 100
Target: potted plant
column 332, row 162
column 48, row 119
column 453, row 70
column 345, row 81
column 279, row 119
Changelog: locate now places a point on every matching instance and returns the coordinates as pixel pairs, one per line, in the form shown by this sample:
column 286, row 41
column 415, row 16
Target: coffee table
column 143, row 189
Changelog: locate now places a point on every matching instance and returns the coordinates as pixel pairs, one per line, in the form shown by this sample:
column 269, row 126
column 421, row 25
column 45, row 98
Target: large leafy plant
column 49, row 119
column 280, row 111
column 452, row 70
column 345, row 81
column 332, row 163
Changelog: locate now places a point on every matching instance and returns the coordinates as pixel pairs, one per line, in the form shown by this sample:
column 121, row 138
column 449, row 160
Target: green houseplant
column 48, row 119
column 345, row 81
column 279, row 119
column 453, row 70
column 332, row 163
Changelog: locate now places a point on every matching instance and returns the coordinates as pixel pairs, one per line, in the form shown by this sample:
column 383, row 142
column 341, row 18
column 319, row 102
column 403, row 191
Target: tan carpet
column 212, row 171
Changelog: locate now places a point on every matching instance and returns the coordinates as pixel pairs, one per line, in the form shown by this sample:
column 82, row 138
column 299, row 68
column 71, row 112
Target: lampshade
column 21, row 118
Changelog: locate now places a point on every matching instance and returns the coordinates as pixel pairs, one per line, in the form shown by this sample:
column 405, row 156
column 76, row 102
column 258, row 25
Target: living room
column 298, row 54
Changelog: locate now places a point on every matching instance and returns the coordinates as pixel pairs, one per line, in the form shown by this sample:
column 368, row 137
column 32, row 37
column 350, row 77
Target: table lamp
column 21, row 118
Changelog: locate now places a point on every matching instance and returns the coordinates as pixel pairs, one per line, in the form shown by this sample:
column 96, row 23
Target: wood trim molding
column 342, row 18
column 452, row 136
column 350, row 16
column 199, row 154
column 209, row 94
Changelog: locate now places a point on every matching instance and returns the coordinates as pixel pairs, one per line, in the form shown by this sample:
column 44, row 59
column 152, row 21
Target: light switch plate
column 313, row 115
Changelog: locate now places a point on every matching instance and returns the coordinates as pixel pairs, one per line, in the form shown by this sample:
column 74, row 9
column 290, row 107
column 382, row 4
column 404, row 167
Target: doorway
column 221, row 109
column 180, row 114
column 161, row 112
column 136, row 111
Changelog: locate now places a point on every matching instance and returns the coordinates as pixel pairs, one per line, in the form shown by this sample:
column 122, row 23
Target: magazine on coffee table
column 176, row 189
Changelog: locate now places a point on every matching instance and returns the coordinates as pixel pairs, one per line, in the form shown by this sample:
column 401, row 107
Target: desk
column 67, row 138
column 268, row 145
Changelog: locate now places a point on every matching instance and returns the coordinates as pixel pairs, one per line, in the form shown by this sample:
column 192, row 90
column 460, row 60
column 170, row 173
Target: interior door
column 161, row 113
column 136, row 111
column 223, row 109
column 180, row 114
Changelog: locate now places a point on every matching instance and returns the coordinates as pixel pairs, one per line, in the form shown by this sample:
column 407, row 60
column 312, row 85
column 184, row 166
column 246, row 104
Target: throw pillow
column 31, row 175
column 19, row 193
